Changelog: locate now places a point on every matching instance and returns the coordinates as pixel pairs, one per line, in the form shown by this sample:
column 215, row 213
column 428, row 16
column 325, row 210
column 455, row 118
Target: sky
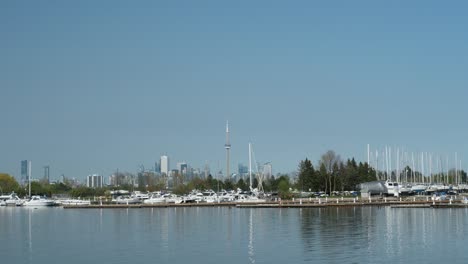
column 95, row 86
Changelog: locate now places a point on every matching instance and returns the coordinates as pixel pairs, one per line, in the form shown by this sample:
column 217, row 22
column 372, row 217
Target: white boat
column 12, row 199
column 418, row 188
column 155, row 199
column 210, row 196
column 74, row 202
column 125, row 199
column 172, row 198
column 242, row 198
column 2, row 203
column 37, row 200
column 392, row 188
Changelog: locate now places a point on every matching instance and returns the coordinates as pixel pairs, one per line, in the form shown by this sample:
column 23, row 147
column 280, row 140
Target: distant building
column 267, row 170
column 165, row 168
column 46, row 174
column 94, row 181
column 182, row 168
column 25, row 171
column 242, row 170
column 157, row 167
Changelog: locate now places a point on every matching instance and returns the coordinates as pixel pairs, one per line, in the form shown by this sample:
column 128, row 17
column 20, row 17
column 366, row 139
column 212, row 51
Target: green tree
column 242, row 185
column 283, row 188
column 8, row 184
column 307, row 178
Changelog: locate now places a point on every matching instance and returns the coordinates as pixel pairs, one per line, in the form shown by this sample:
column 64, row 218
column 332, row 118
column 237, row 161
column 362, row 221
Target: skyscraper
column 164, row 165
column 25, row 171
column 182, row 167
column 94, row 181
column 47, row 174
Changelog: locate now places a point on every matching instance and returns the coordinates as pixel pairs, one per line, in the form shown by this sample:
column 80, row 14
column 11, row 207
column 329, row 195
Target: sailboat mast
column 29, row 178
column 250, row 165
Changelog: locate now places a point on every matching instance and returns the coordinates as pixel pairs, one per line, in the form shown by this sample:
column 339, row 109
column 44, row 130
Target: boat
column 73, row 202
column 12, row 200
column 155, row 198
column 37, row 200
column 392, row 188
column 242, row 198
column 125, row 199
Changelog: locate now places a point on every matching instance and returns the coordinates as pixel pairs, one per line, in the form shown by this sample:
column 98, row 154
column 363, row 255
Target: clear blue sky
column 92, row 86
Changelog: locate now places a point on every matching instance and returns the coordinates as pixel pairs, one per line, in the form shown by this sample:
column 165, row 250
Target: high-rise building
column 267, row 170
column 165, row 165
column 157, row 167
column 182, row 167
column 242, row 170
column 46, row 174
column 25, row 171
column 94, row 181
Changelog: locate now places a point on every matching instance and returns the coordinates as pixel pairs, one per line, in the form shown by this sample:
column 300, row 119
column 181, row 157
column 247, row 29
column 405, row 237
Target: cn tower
column 227, row 146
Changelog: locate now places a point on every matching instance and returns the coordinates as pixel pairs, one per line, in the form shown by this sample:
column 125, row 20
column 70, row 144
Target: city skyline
column 92, row 88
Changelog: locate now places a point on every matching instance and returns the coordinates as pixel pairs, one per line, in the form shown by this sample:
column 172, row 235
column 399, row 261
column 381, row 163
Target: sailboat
column 252, row 197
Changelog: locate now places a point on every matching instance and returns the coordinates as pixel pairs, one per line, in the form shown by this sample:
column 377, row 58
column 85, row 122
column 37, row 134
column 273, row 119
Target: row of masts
column 403, row 166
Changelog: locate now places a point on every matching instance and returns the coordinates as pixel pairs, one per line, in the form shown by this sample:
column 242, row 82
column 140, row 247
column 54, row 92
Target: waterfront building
column 94, row 181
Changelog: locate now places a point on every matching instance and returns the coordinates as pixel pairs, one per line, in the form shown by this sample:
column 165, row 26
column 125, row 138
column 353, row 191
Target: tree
column 8, row 184
column 283, row 188
column 242, row 185
column 307, row 179
column 329, row 159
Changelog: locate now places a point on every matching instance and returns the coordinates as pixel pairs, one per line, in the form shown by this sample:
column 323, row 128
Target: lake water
column 233, row 235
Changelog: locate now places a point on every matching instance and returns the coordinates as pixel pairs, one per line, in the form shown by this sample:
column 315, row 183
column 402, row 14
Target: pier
column 421, row 202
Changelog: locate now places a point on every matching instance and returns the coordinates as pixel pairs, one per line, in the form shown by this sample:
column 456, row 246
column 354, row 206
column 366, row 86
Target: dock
column 295, row 203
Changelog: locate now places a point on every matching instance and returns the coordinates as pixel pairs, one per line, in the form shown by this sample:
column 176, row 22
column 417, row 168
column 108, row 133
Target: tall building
column 182, row 167
column 157, row 167
column 242, row 170
column 25, row 171
column 94, row 181
column 267, row 170
column 47, row 174
column 164, row 165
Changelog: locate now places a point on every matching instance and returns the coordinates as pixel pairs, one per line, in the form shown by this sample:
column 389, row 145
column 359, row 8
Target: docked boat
column 155, row 198
column 249, row 199
column 74, row 202
column 12, row 200
column 125, row 199
column 37, row 200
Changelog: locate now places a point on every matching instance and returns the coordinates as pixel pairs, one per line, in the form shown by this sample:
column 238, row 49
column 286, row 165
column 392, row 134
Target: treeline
column 333, row 174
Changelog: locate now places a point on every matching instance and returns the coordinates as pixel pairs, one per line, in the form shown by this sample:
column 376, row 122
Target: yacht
column 242, row 198
column 125, row 199
column 154, row 199
column 74, row 202
column 392, row 188
column 12, row 199
column 37, row 200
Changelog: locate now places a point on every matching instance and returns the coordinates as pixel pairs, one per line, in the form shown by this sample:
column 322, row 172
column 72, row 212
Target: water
column 233, row 235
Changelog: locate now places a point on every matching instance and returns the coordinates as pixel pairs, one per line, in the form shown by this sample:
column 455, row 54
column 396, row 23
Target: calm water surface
column 233, row 235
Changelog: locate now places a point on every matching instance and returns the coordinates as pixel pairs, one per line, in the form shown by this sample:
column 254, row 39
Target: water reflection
column 251, row 238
